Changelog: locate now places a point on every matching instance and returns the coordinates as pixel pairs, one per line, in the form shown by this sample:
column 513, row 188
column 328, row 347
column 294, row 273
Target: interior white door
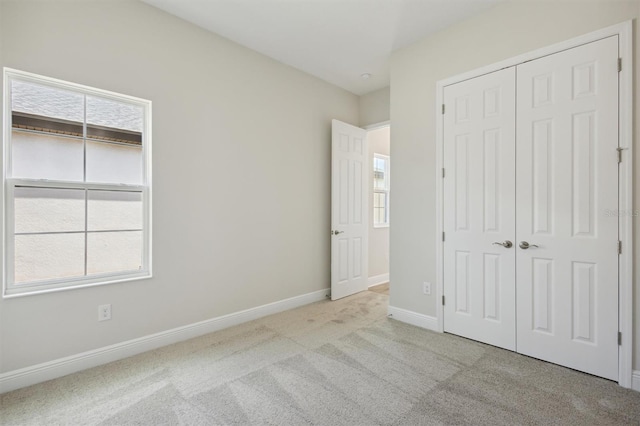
column 349, row 210
column 567, row 181
column 479, row 188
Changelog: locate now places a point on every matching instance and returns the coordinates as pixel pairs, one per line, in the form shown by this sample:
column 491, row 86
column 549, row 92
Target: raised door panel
column 479, row 159
column 567, row 131
column 349, row 210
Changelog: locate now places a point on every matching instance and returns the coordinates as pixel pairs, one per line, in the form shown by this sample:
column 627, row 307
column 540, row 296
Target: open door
column 349, row 210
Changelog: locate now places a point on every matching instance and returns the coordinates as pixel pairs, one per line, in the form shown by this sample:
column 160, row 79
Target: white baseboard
column 635, row 380
column 61, row 367
column 413, row 318
column 378, row 279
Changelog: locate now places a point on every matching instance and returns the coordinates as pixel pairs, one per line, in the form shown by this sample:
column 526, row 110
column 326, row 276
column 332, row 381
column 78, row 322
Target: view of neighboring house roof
column 53, row 103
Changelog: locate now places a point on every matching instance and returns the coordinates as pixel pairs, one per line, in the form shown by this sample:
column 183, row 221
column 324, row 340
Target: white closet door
column 479, row 188
column 567, row 180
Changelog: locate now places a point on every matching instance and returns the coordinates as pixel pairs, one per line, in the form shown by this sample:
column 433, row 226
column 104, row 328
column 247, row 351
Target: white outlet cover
column 104, row 312
column 426, row 288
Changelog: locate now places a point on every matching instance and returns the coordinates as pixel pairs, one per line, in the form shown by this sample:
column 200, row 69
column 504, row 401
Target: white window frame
column 386, row 191
column 10, row 289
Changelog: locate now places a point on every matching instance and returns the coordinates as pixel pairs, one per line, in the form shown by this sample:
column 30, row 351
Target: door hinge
column 620, row 154
column 443, row 108
column 619, row 64
column 443, row 236
column 443, row 172
column 619, row 338
column 619, row 247
column 443, row 300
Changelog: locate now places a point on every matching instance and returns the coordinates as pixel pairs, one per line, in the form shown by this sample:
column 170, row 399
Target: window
column 77, row 185
column 380, row 190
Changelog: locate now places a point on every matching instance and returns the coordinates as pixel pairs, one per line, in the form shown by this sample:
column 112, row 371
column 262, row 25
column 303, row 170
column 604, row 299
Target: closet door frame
column 625, row 178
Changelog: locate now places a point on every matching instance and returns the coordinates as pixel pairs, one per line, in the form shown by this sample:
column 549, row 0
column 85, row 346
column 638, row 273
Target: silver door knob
column 525, row 245
column 336, row 232
column 505, row 244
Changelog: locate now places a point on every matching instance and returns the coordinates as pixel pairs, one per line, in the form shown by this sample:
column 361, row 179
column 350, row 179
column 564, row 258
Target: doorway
column 379, row 139
column 360, row 207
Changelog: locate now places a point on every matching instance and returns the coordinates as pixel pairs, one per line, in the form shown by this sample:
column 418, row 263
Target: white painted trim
column 617, row 29
column 625, row 197
column 386, row 225
column 413, row 318
column 625, row 312
column 61, row 367
column 439, row 206
column 386, row 191
column 10, row 289
column 378, row 279
column 635, row 381
column 377, row 126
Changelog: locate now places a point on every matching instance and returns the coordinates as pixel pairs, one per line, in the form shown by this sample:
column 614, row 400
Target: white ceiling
column 335, row 40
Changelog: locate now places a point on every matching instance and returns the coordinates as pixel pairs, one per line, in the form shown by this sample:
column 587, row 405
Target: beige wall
column 379, row 143
column 509, row 29
column 374, row 107
column 241, row 162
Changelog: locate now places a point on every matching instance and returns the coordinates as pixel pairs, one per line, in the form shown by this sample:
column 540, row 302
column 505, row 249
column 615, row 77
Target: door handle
column 525, row 245
column 505, row 244
column 336, row 232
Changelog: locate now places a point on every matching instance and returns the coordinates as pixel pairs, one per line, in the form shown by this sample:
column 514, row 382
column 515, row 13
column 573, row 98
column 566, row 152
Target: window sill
column 32, row 290
column 382, row 225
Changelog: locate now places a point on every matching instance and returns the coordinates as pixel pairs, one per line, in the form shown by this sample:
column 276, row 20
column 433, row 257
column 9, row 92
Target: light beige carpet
column 329, row 363
column 380, row 288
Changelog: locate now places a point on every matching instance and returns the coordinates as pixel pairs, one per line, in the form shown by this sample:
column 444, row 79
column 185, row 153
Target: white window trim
column 387, row 191
column 9, row 184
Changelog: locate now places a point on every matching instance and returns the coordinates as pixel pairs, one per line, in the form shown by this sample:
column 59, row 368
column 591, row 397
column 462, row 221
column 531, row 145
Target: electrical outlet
column 104, row 312
column 426, row 288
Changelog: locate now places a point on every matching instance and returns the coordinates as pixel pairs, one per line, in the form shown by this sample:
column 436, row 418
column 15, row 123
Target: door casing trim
column 624, row 32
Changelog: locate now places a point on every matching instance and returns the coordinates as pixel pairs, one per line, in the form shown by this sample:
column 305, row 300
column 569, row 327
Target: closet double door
column 531, row 173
